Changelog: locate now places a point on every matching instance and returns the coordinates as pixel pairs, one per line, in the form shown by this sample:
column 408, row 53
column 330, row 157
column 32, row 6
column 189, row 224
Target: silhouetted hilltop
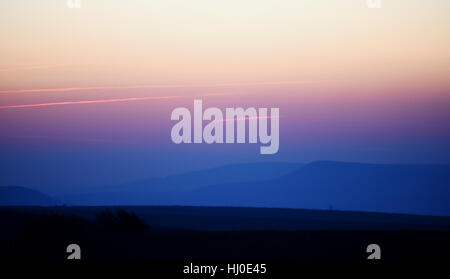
column 15, row 195
column 204, row 218
column 147, row 232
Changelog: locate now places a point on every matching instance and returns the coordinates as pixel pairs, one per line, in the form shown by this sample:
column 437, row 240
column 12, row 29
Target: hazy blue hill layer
column 225, row 174
column 15, row 195
column 417, row 189
column 154, row 188
column 410, row 189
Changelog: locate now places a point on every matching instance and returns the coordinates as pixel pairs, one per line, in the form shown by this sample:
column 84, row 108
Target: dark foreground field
column 185, row 233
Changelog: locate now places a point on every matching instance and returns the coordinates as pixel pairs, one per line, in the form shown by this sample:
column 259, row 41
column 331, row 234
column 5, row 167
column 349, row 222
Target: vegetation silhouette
column 121, row 221
column 115, row 233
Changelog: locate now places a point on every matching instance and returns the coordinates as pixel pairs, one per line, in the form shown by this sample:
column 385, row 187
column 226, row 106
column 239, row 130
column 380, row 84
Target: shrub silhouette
column 122, row 221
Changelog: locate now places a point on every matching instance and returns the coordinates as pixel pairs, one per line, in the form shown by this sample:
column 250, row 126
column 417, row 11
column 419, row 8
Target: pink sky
column 352, row 83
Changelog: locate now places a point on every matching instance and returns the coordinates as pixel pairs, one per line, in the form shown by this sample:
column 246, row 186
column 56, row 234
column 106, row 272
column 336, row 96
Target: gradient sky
column 86, row 94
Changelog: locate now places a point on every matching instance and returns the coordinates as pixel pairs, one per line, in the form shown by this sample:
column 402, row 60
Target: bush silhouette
column 122, row 221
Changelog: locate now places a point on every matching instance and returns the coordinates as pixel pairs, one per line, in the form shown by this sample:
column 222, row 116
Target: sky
column 86, row 94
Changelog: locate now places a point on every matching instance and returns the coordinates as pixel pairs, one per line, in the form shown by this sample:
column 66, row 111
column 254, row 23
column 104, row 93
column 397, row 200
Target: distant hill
column 186, row 182
column 416, row 189
column 411, row 189
column 15, row 195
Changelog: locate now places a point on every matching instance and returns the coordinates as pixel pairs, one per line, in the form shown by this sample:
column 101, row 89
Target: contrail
column 28, row 68
column 204, row 85
column 91, row 102
column 245, row 118
column 113, row 100
column 23, row 64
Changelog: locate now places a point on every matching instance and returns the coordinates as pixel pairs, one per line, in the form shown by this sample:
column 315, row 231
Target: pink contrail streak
column 245, row 118
column 113, row 100
column 205, row 85
column 28, row 68
column 92, row 102
column 23, row 64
